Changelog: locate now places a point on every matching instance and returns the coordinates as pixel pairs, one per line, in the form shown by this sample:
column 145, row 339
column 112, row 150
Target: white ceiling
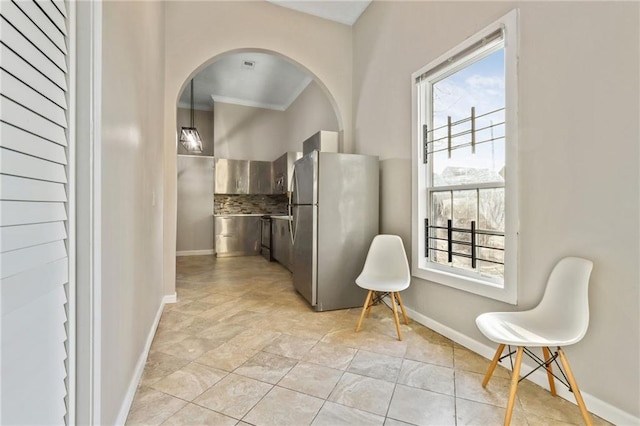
column 345, row 11
column 273, row 83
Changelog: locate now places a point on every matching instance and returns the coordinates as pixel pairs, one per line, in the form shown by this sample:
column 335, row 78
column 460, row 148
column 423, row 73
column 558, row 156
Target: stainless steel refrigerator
column 334, row 217
column 195, row 205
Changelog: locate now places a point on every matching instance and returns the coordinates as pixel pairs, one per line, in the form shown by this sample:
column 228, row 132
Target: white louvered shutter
column 34, row 266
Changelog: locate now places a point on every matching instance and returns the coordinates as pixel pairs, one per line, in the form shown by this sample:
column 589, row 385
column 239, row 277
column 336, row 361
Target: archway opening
column 252, row 107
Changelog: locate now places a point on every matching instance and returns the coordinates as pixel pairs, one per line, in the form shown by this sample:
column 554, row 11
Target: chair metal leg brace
column 569, row 380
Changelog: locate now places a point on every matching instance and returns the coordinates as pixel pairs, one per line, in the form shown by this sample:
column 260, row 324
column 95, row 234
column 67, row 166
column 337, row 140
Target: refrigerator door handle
column 292, row 229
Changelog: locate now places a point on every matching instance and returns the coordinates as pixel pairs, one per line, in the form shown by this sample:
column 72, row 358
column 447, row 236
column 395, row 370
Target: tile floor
column 242, row 347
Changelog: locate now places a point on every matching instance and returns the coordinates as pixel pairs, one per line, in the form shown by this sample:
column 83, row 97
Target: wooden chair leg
column 574, row 388
column 404, row 313
column 373, row 296
column 515, row 378
column 395, row 315
column 364, row 309
column 552, row 383
column 493, row 365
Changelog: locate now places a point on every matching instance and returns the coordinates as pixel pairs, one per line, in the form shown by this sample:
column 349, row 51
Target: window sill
column 471, row 285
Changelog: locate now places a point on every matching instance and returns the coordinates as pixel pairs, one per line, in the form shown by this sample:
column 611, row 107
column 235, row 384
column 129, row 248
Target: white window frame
column 457, row 278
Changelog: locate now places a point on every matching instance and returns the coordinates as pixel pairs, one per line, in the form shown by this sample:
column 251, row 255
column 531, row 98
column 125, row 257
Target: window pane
column 479, row 85
column 491, row 216
column 465, row 208
column 440, row 208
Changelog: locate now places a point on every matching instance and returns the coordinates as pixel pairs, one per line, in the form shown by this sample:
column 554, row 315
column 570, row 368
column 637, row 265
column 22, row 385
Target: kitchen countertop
column 283, row 217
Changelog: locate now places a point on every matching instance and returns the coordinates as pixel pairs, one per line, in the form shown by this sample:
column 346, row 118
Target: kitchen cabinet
column 281, row 247
column 237, row 235
column 232, row 176
column 260, row 177
column 243, row 177
column 283, row 171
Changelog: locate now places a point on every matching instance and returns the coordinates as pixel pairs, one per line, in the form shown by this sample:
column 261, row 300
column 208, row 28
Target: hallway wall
column 131, row 203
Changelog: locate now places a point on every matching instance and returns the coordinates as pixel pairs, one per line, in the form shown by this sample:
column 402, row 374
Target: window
column 465, row 158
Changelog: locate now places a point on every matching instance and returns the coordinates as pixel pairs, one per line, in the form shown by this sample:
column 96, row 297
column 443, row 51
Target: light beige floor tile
column 312, row 379
column 469, row 386
column 194, row 415
column 432, row 353
column 475, row 413
column 193, row 308
column 290, row 346
column 167, row 336
column 266, row 367
column 189, row 348
column 227, row 357
column 392, row 422
column 330, row 355
column 283, row 407
column 256, row 339
column 538, row 401
column 363, row 393
column 190, row 381
column 219, row 330
column 244, row 318
column 375, row 365
column 421, row 333
column 175, row 321
column 466, row 360
column 533, row 420
column 234, row 395
column 332, row 414
column 421, row 407
column 151, row 407
column 198, row 325
column 427, row 376
column 160, row 365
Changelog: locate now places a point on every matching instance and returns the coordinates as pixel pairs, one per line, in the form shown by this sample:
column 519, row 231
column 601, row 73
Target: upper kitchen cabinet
column 243, row 177
column 283, row 171
column 232, row 176
column 260, row 177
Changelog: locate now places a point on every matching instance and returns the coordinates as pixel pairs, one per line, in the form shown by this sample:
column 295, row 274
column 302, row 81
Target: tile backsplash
column 250, row 204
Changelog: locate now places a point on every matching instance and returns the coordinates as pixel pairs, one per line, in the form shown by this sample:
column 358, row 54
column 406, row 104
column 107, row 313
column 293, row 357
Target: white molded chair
column 386, row 271
column 560, row 319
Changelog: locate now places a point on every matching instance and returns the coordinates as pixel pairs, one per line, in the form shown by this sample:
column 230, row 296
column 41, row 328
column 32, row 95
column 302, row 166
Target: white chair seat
column 524, row 329
column 382, row 283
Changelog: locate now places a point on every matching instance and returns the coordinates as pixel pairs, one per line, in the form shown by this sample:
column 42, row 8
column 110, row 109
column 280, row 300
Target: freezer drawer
column 237, row 235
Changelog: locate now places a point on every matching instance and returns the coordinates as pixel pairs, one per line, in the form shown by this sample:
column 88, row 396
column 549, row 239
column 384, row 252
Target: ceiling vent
column 248, row 64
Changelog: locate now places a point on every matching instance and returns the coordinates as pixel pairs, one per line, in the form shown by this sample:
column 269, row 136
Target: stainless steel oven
column 265, row 237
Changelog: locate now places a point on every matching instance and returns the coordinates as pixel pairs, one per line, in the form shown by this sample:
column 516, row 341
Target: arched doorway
column 249, row 104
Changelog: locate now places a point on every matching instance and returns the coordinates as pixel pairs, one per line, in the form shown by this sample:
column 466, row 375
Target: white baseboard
column 170, row 298
column 137, row 372
column 195, row 252
column 595, row 405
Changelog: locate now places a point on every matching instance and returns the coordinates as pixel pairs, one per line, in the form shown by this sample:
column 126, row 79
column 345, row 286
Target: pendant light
column 189, row 136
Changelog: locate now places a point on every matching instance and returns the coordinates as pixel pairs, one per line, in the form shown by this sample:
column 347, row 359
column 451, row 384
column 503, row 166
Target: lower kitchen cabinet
column 281, row 247
column 237, row 235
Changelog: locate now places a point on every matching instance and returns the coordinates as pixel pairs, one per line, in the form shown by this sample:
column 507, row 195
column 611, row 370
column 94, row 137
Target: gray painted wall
column 131, row 203
column 250, row 133
column 579, row 159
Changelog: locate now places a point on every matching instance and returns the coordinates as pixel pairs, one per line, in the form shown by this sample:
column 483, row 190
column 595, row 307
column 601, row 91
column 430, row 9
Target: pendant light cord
column 192, row 121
